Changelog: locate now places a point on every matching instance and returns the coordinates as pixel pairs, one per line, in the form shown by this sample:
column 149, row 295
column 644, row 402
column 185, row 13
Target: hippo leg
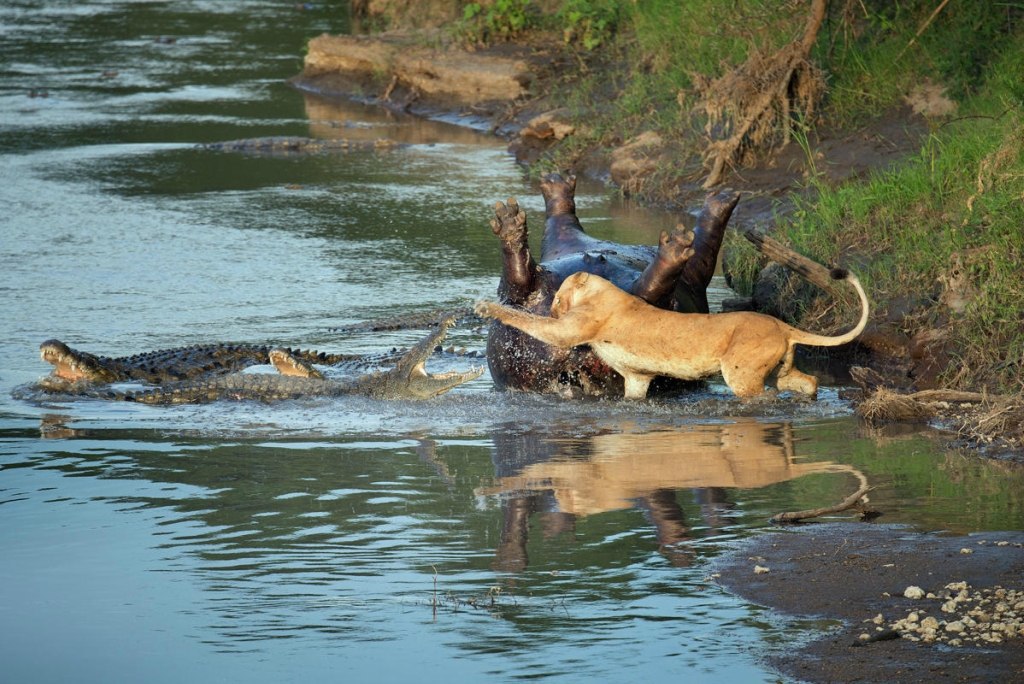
column 518, row 269
column 691, row 290
column 659, row 279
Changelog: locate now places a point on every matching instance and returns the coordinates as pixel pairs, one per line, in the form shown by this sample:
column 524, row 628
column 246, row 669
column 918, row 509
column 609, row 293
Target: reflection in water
column 334, row 118
column 54, row 426
column 563, row 480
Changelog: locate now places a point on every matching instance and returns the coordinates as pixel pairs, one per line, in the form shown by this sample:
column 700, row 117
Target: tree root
column 755, row 101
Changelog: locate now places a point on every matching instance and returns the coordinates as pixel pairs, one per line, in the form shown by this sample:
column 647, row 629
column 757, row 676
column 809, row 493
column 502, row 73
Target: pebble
column 913, row 592
column 972, row 616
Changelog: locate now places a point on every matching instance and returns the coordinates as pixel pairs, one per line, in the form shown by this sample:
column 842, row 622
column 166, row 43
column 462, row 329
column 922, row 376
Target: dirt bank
column 854, row 572
column 515, row 91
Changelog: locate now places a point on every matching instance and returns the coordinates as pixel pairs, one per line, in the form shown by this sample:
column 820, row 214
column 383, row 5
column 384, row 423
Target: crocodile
column 185, row 363
column 298, row 145
column 673, row 275
column 408, row 320
column 408, row 379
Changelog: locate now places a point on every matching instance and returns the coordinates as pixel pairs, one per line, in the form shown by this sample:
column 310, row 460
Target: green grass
column 954, row 211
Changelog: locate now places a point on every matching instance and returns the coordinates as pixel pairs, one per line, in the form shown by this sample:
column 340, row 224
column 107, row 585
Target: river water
column 481, row 535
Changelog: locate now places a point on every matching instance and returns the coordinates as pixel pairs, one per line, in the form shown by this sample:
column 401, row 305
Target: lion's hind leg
column 636, row 385
column 746, row 366
column 745, row 383
column 792, row 380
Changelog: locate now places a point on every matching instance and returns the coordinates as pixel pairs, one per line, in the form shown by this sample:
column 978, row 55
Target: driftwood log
column 812, row 271
column 855, row 500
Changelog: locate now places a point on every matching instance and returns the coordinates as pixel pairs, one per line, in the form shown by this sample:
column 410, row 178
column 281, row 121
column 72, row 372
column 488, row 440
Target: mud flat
column 855, row 572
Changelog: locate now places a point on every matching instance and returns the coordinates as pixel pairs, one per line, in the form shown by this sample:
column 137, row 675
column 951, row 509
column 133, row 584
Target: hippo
column 673, row 275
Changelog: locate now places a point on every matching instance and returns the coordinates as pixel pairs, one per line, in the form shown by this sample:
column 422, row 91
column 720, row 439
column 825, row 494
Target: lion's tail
column 804, row 337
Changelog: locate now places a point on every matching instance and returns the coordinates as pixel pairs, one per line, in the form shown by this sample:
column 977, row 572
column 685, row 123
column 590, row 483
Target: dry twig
column 846, row 504
column 924, row 27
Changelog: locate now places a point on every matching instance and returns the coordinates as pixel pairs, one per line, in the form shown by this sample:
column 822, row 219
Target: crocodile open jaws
column 408, row 379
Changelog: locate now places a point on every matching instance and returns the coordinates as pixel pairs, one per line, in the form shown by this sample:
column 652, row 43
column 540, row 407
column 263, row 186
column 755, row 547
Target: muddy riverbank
column 853, row 573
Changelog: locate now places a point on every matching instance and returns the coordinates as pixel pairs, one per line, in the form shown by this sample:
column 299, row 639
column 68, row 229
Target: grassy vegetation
column 947, row 227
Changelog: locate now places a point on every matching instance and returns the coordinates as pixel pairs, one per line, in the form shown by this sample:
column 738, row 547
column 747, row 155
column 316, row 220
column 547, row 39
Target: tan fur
column 641, row 341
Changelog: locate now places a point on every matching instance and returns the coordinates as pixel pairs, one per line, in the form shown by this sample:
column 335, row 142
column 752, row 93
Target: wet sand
column 844, row 571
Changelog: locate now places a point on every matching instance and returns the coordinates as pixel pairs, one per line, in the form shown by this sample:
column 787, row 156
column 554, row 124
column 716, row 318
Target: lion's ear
column 582, row 277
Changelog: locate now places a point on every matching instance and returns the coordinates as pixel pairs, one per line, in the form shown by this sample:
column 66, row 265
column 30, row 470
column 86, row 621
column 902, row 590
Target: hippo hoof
column 675, row 247
column 509, row 222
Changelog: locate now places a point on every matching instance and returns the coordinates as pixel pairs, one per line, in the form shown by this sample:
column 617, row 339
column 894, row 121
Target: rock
column 540, row 133
column 737, row 304
column 913, row 592
column 449, row 75
column 329, row 53
column 780, row 292
column 378, row 64
column 555, row 124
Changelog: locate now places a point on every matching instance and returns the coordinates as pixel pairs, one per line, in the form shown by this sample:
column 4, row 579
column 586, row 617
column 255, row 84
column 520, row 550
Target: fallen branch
column 846, row 504
column 814, row 272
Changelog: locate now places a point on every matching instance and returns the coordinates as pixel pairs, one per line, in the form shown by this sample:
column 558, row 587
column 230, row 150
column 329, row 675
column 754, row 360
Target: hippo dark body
column 674, row 275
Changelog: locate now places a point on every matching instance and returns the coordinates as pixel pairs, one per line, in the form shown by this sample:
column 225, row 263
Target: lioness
column 641, row 341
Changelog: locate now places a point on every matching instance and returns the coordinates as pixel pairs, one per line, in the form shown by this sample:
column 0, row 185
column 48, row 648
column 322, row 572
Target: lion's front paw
column 509, row 222
column 484, row 309
column 676, row 246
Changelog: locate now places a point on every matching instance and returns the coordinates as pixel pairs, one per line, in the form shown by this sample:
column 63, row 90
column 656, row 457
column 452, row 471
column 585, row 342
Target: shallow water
column 479, row 535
